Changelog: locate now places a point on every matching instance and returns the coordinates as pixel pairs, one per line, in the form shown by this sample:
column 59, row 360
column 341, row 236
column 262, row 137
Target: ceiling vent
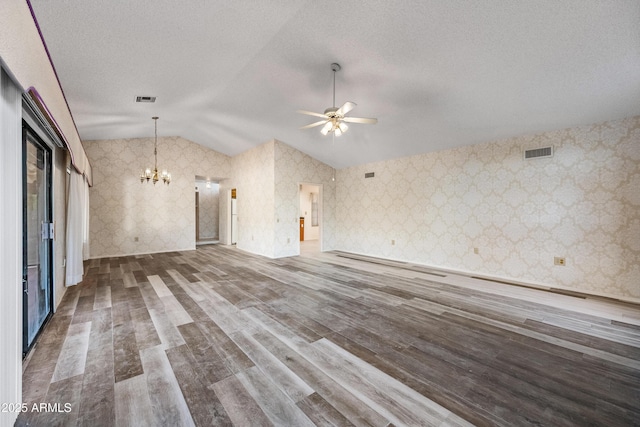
column 537, row 153
column 145, row 99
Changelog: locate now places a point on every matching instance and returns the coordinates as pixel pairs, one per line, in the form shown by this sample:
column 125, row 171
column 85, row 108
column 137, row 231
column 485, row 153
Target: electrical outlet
column 135, row 239
column 559, row 261
column 393, row 242
column 476, row 251
column 288, row 240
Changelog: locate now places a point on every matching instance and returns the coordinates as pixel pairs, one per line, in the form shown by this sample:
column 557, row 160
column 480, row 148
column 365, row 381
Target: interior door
column 37, row 237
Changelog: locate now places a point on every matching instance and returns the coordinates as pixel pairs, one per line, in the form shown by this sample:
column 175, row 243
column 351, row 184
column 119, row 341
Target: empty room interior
column 298, row 213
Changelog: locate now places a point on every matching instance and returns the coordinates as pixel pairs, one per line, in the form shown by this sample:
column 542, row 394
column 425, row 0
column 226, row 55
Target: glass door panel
column 38, row 232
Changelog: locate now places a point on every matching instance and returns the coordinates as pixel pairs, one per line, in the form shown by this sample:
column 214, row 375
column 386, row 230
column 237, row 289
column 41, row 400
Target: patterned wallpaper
column 582, row 204
column 293, row 168
column 209, row 199
column 161, row 217
column 267, row 179
column 253, row 178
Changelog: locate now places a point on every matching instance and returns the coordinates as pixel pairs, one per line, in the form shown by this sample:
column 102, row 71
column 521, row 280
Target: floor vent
column 145, row 99
column 369, row 174
column 537, row 153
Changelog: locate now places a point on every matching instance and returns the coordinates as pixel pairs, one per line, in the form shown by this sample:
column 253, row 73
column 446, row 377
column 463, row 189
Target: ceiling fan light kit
column 334, row 119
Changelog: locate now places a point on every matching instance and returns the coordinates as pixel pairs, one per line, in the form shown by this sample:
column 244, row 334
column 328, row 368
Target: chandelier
column 152, row 175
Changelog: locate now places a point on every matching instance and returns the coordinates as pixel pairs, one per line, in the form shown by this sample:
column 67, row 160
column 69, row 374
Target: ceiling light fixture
column 333, row 118
column 152, row 175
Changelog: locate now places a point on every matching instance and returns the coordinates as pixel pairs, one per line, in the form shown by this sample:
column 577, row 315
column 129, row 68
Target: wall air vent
column 369, row 175
column 537, row 153
column 145, row 99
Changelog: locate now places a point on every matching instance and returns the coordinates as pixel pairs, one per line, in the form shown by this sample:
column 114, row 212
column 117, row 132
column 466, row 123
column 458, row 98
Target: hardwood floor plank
column 132, row 403
column 209, row 358
column 399, row 403
column 321, row 412
column 234, row 359
column 73, row 355
column 204, row 406
column 168, row 403
column 84, row 308
column 217, row 336
column 159, row 286
column 352, row 408
column 287, row 381
column 144, row 329
column 167, row 331
column 103, row 298
column 241, row 408
column 97, row 403
column 60, row 407
column 42, row 361
column 174, row 311
column 126, row 356
column 281, row 410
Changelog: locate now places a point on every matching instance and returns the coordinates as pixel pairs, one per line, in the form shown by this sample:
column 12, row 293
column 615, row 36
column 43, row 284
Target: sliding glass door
column 37, row 237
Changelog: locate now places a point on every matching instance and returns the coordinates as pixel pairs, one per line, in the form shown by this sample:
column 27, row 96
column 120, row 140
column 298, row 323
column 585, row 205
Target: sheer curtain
column 77, row 227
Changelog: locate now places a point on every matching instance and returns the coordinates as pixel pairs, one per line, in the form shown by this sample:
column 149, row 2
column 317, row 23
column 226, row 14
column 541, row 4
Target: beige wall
column 292, row 169
column 60, row 220
column 267, row 179
column 582, row 204
column 161, row 217
column 253, row 178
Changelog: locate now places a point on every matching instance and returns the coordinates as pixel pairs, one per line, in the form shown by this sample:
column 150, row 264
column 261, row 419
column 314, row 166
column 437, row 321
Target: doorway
column 207, row 211
column 38, row 231
column 310, row 224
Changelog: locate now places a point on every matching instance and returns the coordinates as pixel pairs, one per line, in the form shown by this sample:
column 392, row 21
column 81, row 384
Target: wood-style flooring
column 216, row 336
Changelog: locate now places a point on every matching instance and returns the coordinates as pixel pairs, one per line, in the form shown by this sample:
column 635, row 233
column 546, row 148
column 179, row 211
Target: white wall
column 10, row 246
column 582, row 204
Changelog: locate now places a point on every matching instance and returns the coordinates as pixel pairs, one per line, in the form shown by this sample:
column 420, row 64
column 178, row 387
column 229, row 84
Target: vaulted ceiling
column 437, row 74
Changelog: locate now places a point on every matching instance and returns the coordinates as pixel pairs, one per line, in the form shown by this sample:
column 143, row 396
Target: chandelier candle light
column 152, row 175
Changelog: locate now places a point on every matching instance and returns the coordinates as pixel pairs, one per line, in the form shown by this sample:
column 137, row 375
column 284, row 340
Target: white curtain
column 77, row 228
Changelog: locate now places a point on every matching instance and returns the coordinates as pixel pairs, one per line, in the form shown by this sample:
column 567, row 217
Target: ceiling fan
column 334, row 119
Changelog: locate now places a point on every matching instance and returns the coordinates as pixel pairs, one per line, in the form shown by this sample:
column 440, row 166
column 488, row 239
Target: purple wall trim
column 33, row 92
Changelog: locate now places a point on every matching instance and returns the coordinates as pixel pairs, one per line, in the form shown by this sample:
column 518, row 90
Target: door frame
column 28, row 131
column 320, row 212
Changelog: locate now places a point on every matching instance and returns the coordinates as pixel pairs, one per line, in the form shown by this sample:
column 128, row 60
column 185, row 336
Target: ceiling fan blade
column 346, row 107
column 360, row 120
column 321, row 122
column 311, row 113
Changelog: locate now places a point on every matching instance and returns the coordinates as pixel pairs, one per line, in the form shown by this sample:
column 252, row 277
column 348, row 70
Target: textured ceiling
column 437, row 74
